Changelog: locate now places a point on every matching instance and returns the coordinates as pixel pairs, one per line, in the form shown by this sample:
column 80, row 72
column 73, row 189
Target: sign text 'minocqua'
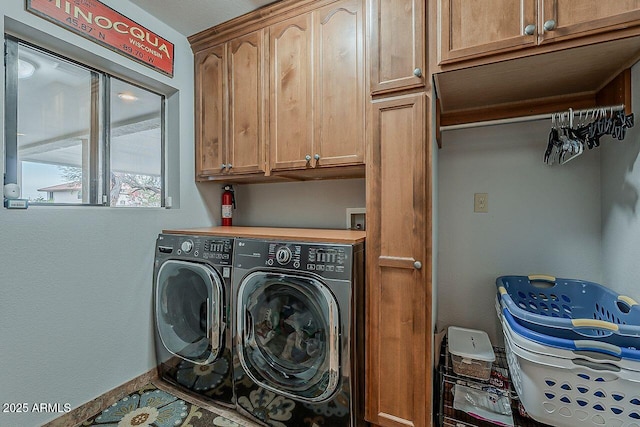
column 101, row 24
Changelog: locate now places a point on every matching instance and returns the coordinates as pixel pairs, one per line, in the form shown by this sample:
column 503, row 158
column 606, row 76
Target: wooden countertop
column 295, row 234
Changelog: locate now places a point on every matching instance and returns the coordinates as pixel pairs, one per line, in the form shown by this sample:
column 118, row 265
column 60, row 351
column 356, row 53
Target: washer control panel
column 327, row 260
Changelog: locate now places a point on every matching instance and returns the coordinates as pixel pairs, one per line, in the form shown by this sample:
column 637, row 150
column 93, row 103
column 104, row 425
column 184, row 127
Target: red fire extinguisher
column 228, row 204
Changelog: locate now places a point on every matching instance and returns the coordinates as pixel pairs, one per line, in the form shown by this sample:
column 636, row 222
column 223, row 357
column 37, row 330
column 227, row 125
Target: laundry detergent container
column 571, row 309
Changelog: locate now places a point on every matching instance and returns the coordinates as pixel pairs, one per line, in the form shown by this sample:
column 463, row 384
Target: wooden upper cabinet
column 571, row 18
column 246, row 152
column 398, row 36
column 210, row 74
column 317, row 97
column 230, row 125
column 339, row 84
column 485, row 26
column 283, row 93
column 291, row 78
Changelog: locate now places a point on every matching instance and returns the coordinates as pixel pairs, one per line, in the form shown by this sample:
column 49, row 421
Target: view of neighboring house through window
column 82, row 136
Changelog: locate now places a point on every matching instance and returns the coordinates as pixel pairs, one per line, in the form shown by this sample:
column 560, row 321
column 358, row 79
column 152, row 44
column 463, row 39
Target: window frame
column 99, row 132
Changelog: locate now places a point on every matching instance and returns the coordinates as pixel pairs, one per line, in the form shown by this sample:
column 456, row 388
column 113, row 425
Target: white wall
column 621, row 207
column 311, row 204
column 76, row 282
column 541, row 219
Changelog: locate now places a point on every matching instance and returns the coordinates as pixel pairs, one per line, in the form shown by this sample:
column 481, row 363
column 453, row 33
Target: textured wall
column 75, row 283
column 312, row 204
column 621, row 207
column 541, row 219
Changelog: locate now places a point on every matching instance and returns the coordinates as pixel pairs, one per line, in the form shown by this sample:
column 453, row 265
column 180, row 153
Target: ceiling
column 197, row 15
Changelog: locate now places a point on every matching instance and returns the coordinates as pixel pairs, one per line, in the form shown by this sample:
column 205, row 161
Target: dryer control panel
column 327, row 260
column 217, row 250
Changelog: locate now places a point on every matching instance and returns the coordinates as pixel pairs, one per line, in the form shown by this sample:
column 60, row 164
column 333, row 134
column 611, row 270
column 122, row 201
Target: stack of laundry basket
column 573, row 349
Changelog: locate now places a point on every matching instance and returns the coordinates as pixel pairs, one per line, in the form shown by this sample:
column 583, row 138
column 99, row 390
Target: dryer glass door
column 189, row 310
column 289, row 326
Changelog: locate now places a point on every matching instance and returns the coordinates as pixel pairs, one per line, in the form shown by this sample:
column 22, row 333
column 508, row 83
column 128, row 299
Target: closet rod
column 525, row 118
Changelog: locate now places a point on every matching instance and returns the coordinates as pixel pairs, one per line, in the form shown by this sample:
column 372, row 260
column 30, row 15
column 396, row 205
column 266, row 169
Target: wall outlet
column 481, row 202
column 356, row 219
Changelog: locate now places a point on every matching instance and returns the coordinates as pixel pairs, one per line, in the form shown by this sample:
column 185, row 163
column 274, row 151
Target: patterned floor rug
column 150, row 407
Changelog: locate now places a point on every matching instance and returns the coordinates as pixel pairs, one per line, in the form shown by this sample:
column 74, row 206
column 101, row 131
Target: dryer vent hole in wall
column 356, row 219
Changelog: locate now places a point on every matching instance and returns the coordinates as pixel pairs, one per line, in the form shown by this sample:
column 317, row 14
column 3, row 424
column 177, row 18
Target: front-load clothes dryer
column 298, row 347
column 192, row 285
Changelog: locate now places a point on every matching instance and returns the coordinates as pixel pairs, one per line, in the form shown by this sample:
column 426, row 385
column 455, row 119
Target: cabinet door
column 246, row 152
column 399, row 370
column 397, row 44
column 339, row 84
column 574, row 18
column 291, row 109
column 481, row 27
column 210, row 74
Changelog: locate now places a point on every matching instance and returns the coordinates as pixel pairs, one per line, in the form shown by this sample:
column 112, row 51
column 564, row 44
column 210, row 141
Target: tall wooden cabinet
column 399, row 306
column 399, row 349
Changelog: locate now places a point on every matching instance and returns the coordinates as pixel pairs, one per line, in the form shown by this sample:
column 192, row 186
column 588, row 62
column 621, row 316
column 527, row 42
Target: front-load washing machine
column 192, row 284
column 298, row 352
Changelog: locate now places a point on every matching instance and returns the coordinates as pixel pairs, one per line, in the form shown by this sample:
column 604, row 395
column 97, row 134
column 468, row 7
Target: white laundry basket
column 574, row 392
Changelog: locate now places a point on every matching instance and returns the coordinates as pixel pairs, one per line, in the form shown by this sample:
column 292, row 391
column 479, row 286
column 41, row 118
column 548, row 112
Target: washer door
column 290, row 337
column 189, row 306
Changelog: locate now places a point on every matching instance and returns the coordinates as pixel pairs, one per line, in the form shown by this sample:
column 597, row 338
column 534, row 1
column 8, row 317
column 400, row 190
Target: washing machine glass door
column 189, row 310
column 290, row 343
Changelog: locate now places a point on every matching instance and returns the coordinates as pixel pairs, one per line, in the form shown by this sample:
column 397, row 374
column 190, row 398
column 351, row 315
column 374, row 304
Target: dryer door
column 290, row 343
column 189, row 308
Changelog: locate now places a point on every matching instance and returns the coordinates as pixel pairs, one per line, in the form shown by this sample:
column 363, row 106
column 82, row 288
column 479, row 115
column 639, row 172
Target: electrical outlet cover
column 481, row 202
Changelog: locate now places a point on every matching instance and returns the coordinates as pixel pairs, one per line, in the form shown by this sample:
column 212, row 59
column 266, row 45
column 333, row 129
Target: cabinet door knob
column 417, row 72
column 307, row 158
column 417, row 265
column 223, row 167
column 530, row 29
column 229, row 166
column 317, row 157
column 550, row 25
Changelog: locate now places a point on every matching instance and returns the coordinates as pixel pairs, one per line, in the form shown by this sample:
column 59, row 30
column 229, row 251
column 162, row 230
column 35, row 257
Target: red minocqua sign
column 103, row 25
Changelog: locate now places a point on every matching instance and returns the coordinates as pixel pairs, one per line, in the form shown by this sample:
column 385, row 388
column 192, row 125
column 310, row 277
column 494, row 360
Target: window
column 78, row 136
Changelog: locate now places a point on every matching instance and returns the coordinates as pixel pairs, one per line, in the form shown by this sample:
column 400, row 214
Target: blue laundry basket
column 571, row 309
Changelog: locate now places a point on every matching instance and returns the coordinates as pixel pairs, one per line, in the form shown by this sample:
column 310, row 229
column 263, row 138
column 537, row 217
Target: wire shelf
column 450, row 417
